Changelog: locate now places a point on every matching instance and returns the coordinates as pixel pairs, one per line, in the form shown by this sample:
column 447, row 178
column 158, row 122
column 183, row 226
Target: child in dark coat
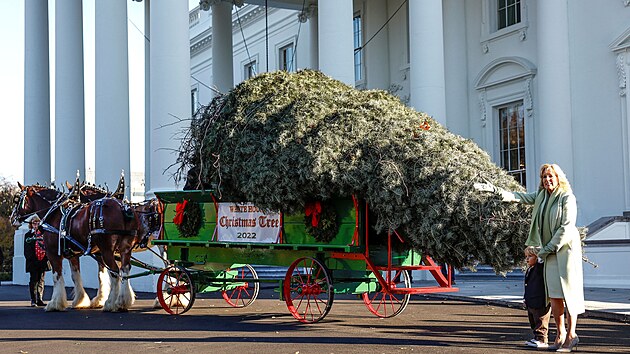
column 538, row 309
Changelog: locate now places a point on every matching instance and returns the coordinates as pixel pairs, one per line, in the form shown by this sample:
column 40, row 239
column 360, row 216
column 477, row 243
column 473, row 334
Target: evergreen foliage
column 192, row 220
column 282, row 139
column 7, row 194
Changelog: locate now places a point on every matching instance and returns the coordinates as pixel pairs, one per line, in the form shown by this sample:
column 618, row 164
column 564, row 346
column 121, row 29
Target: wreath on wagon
column 188, row 218
column 320, row 220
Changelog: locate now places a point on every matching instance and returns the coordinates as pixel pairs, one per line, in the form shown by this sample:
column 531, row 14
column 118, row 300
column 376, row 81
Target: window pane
column 250, row 70
column 502, row 22
column 503, row 118
column 358, row 53
column 286, row 58
column 514, row 160
column 194, row 98
column 512, row 140
column 508, row 13
column 511, row 15
column 513, row 119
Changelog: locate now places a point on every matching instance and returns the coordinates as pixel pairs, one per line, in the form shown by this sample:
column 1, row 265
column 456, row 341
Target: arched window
column 506, row 108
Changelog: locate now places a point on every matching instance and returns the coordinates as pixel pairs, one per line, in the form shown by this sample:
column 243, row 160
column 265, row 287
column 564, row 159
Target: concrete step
column 483, row 272
column 487, row 273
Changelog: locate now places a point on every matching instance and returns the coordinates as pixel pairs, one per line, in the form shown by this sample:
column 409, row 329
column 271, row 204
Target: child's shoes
column 537, row 344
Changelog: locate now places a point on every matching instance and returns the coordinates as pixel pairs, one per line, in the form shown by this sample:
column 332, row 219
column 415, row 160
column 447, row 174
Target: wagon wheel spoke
column 175, row 290
column 383, row 302
column 245, row 288
column 308, row 290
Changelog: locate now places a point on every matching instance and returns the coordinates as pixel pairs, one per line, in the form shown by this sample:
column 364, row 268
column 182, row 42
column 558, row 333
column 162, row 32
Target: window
column 512, row 140
column 286, row 58
column 249, row 70
column 508, row 13
column 194, row 99
column 502, row 19
column 358, row 50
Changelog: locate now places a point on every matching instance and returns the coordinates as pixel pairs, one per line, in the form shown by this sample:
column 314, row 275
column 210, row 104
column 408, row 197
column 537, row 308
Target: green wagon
column 355, row 261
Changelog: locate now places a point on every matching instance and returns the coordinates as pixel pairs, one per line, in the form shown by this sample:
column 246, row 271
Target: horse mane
column 91, row 189
column 47, row 192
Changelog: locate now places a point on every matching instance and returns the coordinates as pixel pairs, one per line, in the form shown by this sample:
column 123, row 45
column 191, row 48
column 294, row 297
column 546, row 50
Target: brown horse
column 149, row 214
column 103, row 226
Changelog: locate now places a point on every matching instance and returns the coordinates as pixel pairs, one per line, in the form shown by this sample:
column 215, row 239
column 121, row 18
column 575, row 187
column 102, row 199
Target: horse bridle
column 153, row 217
column 19, row 204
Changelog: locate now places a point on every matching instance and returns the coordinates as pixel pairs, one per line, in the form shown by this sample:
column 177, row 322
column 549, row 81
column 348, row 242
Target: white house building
column 530, row 81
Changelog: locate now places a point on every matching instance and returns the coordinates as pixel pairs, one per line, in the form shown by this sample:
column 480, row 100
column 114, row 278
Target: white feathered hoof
column 81, row 301
column 59, row 299
column 97, row 302
column 126, row 296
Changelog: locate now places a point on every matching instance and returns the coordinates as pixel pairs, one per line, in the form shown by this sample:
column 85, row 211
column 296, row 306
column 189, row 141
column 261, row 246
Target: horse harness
column 96, row 226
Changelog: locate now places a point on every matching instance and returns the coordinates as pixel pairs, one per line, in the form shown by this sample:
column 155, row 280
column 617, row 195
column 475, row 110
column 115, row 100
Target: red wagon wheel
column 383, row 303
column 175, row 290
column 308, row 290
column 242, row 294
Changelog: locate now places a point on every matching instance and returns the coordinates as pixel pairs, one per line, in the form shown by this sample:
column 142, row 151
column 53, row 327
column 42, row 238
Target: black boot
column 39, row 301
column 33, row 293
column 40, row 292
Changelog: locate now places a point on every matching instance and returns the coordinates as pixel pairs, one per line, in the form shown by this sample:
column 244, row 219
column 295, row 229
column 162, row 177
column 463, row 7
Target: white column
column 147, row 94
column 69, row 91
column 554, row 85
column 376, row 54
column 170, row 87
column 222, row 62
column 313, row 38
column 426, row 56
column 112, row 93
column 456, row 62
column 36, row 93
column 336, row 52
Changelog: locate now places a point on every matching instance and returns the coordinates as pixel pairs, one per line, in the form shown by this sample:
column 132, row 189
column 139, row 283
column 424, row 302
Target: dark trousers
column 36, row 286
column 539, row 321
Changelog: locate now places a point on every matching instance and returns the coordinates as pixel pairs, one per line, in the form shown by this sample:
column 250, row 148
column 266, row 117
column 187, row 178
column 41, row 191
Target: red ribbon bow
column 179, row 212
column 314, row 210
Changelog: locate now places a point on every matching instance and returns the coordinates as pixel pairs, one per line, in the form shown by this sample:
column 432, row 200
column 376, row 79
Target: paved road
column 429, row 325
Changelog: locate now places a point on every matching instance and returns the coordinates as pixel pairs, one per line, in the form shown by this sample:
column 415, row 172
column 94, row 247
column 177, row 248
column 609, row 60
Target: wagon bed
column 356, row 261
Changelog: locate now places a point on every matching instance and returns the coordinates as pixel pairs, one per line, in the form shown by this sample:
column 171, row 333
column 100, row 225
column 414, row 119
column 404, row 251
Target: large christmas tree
column 282, row 140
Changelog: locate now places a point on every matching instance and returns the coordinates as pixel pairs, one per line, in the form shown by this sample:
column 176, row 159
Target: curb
column 611, row 316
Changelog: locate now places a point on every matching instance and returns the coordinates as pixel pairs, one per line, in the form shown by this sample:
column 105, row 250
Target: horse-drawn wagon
column 229, row 236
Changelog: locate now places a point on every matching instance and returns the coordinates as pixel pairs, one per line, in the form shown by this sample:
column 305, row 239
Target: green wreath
column 327, row 225
column 192, row 220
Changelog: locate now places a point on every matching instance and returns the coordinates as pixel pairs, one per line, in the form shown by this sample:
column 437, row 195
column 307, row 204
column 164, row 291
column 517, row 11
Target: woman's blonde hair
column 563, row 182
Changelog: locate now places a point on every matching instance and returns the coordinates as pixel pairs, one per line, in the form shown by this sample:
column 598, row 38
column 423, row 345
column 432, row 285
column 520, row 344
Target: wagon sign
column 244, row 222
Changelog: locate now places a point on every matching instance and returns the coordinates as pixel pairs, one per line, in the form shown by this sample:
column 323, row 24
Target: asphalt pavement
column 604, row 303
column 485, row 316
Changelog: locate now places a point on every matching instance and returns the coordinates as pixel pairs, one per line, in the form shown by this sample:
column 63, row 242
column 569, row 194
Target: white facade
column 565, row 63
column 563, row 66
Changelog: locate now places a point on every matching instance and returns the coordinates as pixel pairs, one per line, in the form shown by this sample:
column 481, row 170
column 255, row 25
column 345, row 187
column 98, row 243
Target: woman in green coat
column 553, row 230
